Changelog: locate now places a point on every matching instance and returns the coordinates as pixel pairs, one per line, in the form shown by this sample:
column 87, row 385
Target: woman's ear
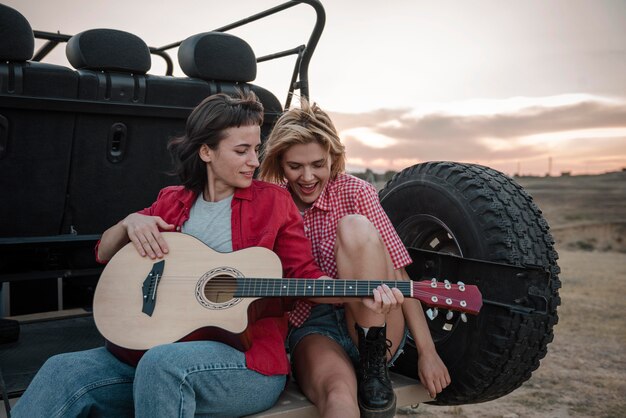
column 205, row 153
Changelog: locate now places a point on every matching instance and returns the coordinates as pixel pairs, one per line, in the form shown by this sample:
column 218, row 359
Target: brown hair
column 206, row 125
column 305, row 125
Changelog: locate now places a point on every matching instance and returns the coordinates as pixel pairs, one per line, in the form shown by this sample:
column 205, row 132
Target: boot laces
column 376, row 358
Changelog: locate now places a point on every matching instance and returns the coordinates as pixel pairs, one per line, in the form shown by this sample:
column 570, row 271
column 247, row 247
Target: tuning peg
column 461, row 286
column 463, row 317
column 432, row 313
column 447, row 284
column 433, row 283
column 449, row 315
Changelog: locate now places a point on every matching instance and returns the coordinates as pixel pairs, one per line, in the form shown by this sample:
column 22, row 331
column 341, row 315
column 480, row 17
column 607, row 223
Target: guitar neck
column 140, row 303
column 256, row 287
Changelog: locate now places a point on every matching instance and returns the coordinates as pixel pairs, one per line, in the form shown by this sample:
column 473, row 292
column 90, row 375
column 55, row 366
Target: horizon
column 362, row 173
column 527, row 86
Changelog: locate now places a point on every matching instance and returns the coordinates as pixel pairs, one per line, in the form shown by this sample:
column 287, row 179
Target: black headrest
column 271, row 104
column 108, row 49
column 17, row 42
column 217, row 56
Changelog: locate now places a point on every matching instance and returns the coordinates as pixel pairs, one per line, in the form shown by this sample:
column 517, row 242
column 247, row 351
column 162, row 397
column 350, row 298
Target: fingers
column 398, row 295
column 164, row 225
column 161, row 243
column 432, row 373
column 432, row 389
column 151, row 245
column 391, row 298
column 428, row 384
column 144, row 233
column 376, row 304
column 384, row 299
column 441, row 384
column 146, row 244
column 435, row 384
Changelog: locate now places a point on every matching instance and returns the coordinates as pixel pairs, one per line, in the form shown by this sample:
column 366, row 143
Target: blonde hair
column 303, row 126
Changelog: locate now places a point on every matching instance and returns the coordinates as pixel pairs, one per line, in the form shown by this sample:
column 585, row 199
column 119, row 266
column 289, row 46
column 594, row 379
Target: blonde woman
column 340, row 352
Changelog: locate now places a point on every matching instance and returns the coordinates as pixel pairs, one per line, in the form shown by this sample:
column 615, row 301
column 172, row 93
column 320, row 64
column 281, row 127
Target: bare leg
column 362, row 255
column 323, row 369
column 326, row 376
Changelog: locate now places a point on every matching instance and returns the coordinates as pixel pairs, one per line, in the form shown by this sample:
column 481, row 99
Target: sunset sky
column 511, row 85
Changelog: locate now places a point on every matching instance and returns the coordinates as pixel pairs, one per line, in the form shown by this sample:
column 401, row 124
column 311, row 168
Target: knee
column 157, row 360
column 60, row 364
column 86, row 362
column 356, row 232
column 340, row 392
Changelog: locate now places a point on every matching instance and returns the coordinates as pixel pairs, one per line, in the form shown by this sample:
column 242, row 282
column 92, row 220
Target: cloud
column 525, row 122
column 344, row 121
column 501, row 133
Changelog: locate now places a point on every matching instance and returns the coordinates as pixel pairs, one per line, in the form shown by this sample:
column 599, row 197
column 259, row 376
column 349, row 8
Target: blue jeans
column 200, row 378
column 329, row 320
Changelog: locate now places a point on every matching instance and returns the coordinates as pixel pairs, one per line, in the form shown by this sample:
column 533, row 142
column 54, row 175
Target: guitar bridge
column 150, row 286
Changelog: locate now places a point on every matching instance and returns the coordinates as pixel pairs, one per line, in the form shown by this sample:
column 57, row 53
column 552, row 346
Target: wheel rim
column 427, row 232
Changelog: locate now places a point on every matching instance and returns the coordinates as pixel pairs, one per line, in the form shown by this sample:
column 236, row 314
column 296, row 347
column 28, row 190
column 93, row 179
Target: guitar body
column 195, row 290
column 140, row 302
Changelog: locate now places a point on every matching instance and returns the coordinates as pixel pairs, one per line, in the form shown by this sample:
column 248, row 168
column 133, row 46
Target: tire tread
column 515, row 232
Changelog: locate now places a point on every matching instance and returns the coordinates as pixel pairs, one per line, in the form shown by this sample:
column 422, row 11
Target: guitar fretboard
column 251, row 287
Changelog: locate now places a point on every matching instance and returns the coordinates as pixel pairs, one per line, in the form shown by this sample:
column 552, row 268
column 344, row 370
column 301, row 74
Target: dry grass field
column 584, row 373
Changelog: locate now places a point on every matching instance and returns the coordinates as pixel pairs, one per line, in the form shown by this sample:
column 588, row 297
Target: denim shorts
column 329, row 320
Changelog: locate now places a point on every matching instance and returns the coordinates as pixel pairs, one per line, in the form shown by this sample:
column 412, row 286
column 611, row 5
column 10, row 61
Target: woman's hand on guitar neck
column 143, row 231
column 385, row 299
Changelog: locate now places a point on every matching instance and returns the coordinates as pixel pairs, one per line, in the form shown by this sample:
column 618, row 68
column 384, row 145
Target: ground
column 584, row 372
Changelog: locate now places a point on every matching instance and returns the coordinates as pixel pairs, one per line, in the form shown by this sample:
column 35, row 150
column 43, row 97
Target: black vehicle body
column 81, row 148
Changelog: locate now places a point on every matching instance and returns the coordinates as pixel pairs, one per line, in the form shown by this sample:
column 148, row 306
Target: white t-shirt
column 210, row 223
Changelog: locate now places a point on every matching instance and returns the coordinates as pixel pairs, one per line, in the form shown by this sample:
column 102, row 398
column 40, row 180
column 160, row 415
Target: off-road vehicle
column 82, row 147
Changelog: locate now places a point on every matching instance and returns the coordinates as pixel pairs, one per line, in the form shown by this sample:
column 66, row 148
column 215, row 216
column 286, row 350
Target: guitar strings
column 229, row 284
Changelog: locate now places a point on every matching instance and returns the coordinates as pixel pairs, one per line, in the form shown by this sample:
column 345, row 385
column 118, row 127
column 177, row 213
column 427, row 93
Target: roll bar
column 300, row 77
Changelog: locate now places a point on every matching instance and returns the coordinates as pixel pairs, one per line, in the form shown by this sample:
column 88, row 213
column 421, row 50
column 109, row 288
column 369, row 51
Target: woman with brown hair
column 220, row 204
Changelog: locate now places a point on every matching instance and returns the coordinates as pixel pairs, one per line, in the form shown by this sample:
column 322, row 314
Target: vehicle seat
column 120, row 158
column 226, row 63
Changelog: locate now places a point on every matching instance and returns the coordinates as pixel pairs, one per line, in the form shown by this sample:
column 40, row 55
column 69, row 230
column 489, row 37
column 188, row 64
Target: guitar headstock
column 458, row 297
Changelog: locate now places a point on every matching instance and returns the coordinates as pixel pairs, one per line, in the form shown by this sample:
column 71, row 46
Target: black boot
column 375, row 393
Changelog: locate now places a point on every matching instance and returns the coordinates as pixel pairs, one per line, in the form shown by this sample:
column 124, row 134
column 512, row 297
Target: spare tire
column 479, row 213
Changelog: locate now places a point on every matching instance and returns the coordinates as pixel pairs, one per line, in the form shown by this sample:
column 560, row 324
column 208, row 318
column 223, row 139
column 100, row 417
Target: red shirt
column 348, row 195
column 345, row 195
column 263, row 215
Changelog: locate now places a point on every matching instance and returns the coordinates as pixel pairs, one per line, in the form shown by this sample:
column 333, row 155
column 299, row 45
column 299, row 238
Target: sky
column 524, row 86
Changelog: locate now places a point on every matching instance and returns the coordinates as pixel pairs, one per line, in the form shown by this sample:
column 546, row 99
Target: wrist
column 124, row 222
column 425, row 348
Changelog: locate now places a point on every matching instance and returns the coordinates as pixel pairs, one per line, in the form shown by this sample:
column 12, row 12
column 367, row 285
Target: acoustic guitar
column 140, row 302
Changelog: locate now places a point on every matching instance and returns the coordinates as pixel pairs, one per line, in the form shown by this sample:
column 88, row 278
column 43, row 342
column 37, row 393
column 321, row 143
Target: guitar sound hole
column 220, row 288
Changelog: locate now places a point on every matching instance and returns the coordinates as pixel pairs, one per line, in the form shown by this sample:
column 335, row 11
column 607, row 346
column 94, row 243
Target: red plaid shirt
column 345, row 195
